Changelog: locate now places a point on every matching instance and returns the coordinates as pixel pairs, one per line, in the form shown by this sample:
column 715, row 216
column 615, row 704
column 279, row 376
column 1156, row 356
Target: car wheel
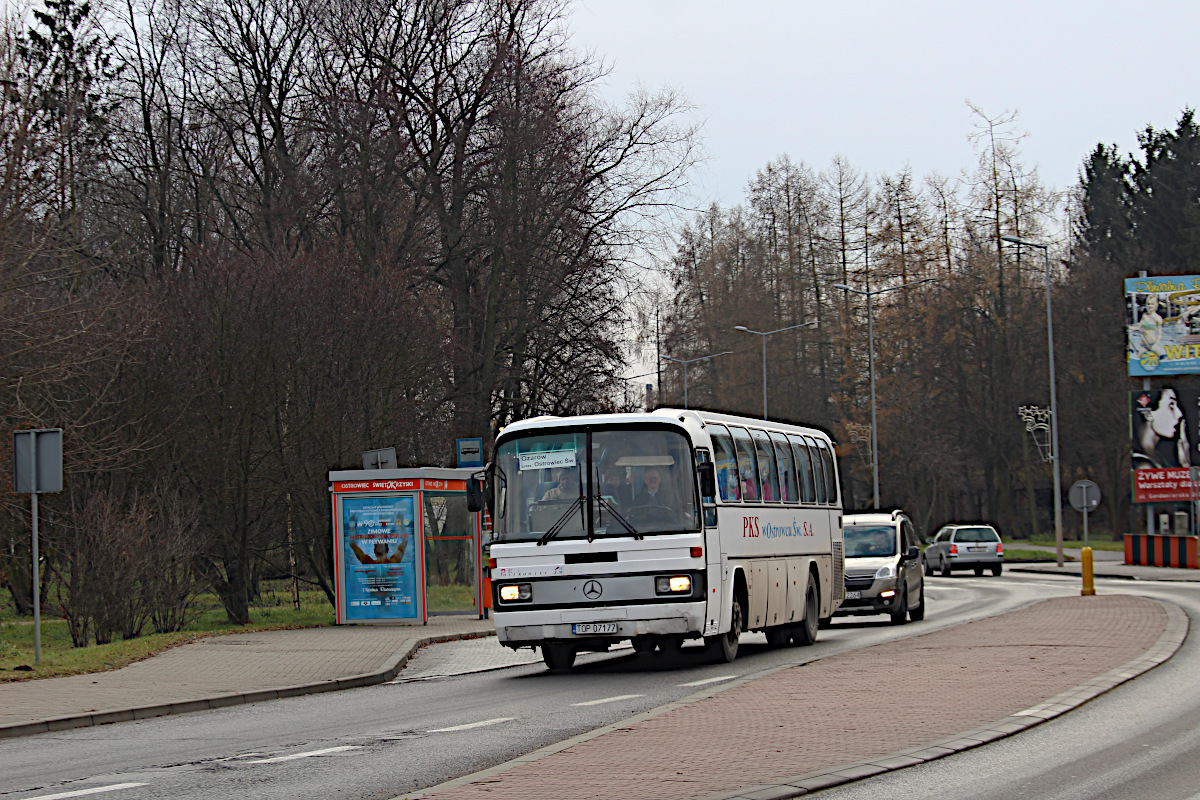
column 997, row 570
column 805, row 633
column 928, row 567
column 558, row 657
column 917, row 614
column 979, row 572
column 724, row 648
column 945, row 568
column 900, row 615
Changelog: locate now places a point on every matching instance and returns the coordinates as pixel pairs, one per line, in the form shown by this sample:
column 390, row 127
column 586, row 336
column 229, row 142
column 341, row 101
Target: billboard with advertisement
column 1164, row 423
column 1162, row 325
column 379, row 551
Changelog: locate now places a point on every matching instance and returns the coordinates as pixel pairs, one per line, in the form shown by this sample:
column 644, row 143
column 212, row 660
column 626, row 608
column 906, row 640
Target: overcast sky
column 886, row 83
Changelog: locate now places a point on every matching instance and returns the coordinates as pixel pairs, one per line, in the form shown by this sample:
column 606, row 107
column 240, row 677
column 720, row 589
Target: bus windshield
column 642, row 484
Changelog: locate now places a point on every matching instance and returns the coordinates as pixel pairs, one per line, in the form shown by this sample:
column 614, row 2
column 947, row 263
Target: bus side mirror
column 708, row 479
column 474, row 494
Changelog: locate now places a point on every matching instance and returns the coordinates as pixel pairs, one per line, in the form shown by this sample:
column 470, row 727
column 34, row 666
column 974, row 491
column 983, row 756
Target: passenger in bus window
column 567, row 488
column 749, row 486
column 614, row 487
column 654, row 492
column 768, row 490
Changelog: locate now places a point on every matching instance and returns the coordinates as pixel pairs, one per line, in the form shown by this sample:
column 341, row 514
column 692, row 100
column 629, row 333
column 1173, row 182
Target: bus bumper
column 529, row 628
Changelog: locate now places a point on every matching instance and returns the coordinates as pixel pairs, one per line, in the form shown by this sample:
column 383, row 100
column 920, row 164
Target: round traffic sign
column 1084, row 495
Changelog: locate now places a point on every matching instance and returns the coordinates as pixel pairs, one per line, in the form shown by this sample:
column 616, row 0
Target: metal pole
column 874, row 426
column 764, row 341
column 1058, row 529
column 1085, row 516
column 37, row 588
column 685, row 403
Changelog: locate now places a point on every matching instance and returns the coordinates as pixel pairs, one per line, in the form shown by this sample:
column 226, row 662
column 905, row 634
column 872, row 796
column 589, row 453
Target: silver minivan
column 883, row 567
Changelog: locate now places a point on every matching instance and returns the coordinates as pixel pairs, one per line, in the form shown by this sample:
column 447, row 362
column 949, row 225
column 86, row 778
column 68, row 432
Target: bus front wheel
column 723, row 648
column 558, row 657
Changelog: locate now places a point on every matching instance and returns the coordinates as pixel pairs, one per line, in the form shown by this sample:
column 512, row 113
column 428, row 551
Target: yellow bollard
column 1088, row 587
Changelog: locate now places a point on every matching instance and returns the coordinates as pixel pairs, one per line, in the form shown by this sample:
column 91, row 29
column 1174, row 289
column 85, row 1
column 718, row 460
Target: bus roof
column 673, row 416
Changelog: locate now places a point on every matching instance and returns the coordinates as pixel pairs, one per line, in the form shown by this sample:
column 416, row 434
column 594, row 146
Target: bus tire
column 805, row 633
column 558, row 657
column 723, row 648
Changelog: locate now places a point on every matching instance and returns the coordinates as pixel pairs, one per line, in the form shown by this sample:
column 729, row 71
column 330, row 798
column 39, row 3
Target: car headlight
column 516, row 592
column 673, row 584
column 886, row 571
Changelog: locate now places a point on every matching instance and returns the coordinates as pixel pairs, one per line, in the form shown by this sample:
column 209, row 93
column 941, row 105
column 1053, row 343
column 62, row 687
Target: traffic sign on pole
column 37, row 469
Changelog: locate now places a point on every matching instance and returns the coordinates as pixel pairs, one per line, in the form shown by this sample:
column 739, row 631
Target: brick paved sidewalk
column 845, row 708
column 226, row 670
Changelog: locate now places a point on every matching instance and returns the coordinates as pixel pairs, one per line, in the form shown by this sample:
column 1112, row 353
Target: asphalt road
column 1140, row 740
column 380, row 741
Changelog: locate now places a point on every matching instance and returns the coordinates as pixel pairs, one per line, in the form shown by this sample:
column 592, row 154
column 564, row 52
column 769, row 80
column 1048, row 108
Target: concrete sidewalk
column 1108, row 569
column 226, row 670
column 807, row 727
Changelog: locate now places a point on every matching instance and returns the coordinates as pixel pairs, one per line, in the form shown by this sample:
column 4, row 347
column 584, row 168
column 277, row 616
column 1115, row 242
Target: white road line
column 309, row 754
column 710, row 680
column 470, row 725
column 82, row 792
column 608, row 700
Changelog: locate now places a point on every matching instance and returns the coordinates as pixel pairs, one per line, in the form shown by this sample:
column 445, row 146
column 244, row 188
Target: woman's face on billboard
column 1164, row 419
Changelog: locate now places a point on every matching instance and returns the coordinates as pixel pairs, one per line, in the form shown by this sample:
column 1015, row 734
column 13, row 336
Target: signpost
column 1084, row 496
column 37, row 469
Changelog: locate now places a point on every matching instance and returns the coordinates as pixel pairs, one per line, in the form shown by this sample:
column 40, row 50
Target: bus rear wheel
column 805, row 633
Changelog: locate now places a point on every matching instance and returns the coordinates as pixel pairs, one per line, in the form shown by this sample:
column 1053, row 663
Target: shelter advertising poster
column 379, row 554
column 1165, row 423
column 1162, row 324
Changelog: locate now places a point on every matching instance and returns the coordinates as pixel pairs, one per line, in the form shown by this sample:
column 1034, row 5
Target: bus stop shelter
column 405, row 546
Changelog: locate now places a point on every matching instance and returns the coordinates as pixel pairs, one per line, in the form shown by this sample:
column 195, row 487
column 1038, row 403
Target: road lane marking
column 309, row 754
column 82, row 792
column 470, row 725
column 608, row 700
column 710, row 680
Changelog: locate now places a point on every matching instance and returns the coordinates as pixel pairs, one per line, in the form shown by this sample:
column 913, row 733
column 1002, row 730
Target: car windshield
column 864, row 541
column 976, row 535
column 642, row 483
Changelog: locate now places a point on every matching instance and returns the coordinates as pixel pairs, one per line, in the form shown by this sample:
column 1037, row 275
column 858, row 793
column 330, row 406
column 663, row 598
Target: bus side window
column 808, row 493
column 831, row 483
column 747, row 464
column 787, row 469
column 726, row 459
column 768, row 471
column 818, row 469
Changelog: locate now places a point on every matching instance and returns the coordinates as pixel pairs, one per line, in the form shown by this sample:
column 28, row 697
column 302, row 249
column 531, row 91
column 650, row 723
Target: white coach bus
column 659, row 528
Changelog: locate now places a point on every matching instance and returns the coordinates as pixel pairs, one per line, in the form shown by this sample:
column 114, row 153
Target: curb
column 1166, row 646
column 388, row 672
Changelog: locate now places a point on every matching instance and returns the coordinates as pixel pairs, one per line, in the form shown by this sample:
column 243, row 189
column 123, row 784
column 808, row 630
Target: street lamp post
column 764, row 335
column 1058, row 530
column 871, row 367
column 685, row 363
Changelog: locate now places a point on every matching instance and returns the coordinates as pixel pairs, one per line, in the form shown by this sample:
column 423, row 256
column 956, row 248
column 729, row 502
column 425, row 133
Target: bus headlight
column 516, row 592
column 673, row 584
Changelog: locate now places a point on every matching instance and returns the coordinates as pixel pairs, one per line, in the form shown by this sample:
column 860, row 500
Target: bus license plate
column 591, row 628
column 853, row 595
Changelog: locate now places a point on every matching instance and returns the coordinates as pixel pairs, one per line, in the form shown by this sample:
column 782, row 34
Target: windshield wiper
column 562, row 521
column 612, row 510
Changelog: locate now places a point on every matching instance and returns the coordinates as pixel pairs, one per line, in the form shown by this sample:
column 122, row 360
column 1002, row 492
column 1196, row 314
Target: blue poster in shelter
column 379, row 554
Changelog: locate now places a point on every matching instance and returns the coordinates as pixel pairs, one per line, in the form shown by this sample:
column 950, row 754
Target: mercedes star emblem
column 592, row 590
